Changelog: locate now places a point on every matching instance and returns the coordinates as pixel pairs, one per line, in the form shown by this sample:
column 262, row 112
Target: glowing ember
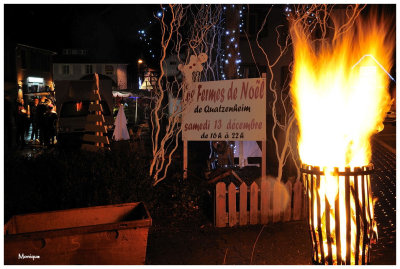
column 340, row 96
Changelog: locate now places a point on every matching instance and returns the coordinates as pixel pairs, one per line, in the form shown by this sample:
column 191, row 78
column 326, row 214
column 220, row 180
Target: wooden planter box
column 114, row 234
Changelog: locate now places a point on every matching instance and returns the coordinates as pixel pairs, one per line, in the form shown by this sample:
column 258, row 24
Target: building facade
column 76, row 64
column 28, row 71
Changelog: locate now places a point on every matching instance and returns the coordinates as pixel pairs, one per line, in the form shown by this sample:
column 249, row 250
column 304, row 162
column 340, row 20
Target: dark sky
column 109, row 30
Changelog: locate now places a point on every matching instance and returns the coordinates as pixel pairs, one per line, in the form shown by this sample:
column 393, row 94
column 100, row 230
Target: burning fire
column 340, row 96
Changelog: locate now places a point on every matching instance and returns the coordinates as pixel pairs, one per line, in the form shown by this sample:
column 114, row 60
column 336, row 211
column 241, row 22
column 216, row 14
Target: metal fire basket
column 330, row 245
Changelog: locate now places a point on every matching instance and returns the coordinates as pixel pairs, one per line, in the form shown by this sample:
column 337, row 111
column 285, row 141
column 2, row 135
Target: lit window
column 78, row 106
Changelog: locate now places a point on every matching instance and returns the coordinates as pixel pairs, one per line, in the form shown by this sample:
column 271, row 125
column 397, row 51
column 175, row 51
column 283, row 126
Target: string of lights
column 227, row 48
column 146, row 38
column 232, row 52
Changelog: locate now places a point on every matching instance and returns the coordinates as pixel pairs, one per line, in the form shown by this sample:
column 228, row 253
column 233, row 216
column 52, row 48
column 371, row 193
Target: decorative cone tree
column 120, row 130
column 95, row 129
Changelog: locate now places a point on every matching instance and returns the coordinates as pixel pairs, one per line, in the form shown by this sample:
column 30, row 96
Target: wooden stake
column 241, row 157
column 264, row 159
column 185, row 158
column 243, row 218
column 348, row 215
column 264, row 147
column 220, row 204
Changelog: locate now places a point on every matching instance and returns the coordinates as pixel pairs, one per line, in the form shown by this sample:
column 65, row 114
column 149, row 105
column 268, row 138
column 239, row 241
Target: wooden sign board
column 233, row 110
column 227, row 110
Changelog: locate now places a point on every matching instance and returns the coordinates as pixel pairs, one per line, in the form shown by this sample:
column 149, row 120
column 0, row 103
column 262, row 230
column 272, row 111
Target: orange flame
column 340, row 96
column 338, row 104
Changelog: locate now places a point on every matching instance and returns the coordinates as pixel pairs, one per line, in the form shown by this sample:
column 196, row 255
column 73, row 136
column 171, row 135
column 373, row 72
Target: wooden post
column 254, row 203
column 243, row 218
column 185, row 157
column 232, row 204
column 264, row 159
column 220, row 204
column 264, row 147
column 241, row 157
column 297, row 200
column 136, row 110
column 288, row 210
column 277, row 201
column 265, row 200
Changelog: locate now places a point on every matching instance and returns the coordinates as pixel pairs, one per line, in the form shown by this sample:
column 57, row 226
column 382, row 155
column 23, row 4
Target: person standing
column 40, row 111
column 34, row 120
column 50, row 125
column 21, row 122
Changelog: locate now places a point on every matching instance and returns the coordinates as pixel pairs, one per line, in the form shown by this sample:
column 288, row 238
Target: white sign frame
column 224, row 110
column 228, row 93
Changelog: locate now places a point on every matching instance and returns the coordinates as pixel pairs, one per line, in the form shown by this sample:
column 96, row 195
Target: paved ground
column 383, row 184
column 277, row 244
column 387, row 138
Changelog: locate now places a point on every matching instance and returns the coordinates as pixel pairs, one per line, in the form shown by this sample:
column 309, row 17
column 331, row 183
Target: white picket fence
column 269, row 203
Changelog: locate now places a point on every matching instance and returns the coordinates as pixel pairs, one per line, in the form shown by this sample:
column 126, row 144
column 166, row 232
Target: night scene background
column 112, row 32
column 46, row 168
